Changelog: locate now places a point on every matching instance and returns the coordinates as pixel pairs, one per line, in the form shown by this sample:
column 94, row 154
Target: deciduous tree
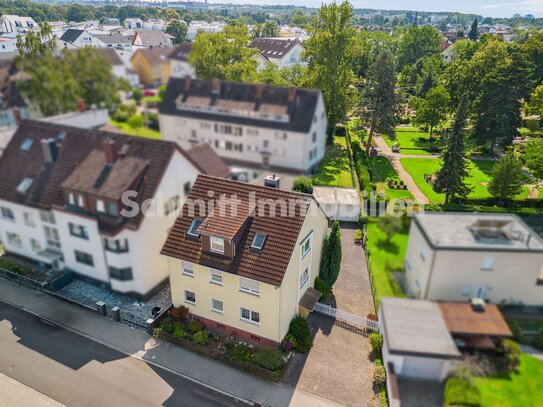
column 432, row 109
column 507, row 177
column 178, row 29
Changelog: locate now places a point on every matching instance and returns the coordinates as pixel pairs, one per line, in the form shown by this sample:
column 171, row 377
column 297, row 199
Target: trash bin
column 155, row 311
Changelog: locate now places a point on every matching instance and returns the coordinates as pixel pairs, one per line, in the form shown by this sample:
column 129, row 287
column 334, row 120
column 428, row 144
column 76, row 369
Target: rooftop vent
column 478, row 304
column 272, row 181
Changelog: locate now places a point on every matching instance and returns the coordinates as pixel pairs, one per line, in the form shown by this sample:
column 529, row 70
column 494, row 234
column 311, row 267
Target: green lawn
column 381, row 169
column 480, row 176
column 413, row 141
column 385, row 257
column 524, row 389
column 141, row 132
column 335, row 169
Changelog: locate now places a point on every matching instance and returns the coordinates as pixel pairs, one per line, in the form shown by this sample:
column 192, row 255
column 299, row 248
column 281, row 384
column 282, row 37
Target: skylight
column 193, row 227
column 258, row 241
column 26, row 145
column 24, row 185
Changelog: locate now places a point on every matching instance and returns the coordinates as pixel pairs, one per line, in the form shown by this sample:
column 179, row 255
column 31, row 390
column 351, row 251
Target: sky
column 487, row 8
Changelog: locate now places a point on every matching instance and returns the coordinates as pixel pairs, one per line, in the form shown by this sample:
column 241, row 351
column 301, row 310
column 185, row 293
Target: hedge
column 459, row 392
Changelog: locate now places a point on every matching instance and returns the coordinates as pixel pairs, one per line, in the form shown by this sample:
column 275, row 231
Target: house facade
column 458, row 256
column 249, row 124
column 80, row 38
column 179, row 60
column 241, row 265
column 64, row 202
column 282, row 52
column 152, row 65
column 14, row 24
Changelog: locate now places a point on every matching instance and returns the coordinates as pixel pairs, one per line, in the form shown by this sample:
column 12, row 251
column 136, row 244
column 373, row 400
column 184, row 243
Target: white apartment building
column 15, row 24
column 458, row 256
column 247, row 124
column 61, row 202
column 282, row 52
column 195, row 27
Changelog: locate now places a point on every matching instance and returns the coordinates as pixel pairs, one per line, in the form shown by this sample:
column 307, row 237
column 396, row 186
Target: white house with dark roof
column 282, row 52
column 247, row 124
column 14, row 24
column 63, row 202
column 80, row 38
column 180, row 65
column 458, row 256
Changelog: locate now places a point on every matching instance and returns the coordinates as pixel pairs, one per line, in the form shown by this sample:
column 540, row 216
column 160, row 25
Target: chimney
column 271, row 181
column 259, row 90
column 292, row 94
column 110, row 151
column 17, row 115
column 50, row 150
column 186, row 83
column 81, row 105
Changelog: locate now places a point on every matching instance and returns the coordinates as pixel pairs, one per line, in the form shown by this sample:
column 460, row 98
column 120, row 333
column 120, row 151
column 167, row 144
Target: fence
column 19, row 278
column 346, row 317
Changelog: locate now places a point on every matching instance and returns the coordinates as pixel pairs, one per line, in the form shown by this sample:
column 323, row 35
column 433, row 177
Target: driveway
column 420, row 393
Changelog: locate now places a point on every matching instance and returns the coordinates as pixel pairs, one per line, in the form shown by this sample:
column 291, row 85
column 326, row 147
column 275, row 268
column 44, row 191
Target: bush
column 123, row 112
column 167, row 325
column 179, row 332
column 137, row 95
column 303, row 184
column 200, row 338
column 516, row 330
column 195, row 326
column 288, row 343
column 136, row 121
column 379, row 376
column 299, row 329
column 152, row 121
column 376, row 341
column 323, row 288
column 512, row 355
column 179, row 313
column 460, row 392
column 157, row 332
column 14, row 268
column 270, row 359
column 241, row 352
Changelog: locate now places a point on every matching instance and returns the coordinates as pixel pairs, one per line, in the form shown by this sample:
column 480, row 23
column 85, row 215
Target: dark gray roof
column 181, row 52
column 300, row 111
column 155, row 38
column 70, row 35
column 273, row 47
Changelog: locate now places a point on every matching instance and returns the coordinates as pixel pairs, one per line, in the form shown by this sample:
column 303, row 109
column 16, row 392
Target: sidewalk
column 13, row 393
column 137, row 344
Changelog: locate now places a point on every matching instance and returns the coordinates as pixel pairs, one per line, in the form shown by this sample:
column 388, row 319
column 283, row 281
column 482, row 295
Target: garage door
column 423, row 368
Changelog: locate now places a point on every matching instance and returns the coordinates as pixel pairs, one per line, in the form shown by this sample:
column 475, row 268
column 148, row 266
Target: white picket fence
column 351, row 319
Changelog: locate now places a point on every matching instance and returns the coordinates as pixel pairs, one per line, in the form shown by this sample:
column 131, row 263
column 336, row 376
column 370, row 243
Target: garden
column 415, row 142
column 268, row 363
column 335, row 169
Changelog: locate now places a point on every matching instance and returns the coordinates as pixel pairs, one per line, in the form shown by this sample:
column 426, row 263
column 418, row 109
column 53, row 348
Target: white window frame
column 466, row 290
column 80, row 202
column 487, row 264
column 71, row 199
column 100, row 206
column 247, row 288
column 214, row 240
column 250, row 319
column 218, row 277
column 10, row 237
column 187, row 269
column 303, row 280
column 187, row 300
column 307, row 240
column 219, row 311
column 29, row 219
column 35, row 245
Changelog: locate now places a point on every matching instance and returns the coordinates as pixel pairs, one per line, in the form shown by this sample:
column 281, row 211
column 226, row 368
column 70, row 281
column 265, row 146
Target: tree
column 533, row 48
column 329, row 51
column 136, row 121
column 474, row 31
column 37, row 42
column 533, row 158
column 379, row 97
column 417, row 43
column 137, row 95
column 268, row 29
column 451, row 177
column 391, row 225
column 432, row 110
column 303, row 184
column 535, row 106
column 507, row 177
column 331, row 256
column 224, row 55
column 178, row 29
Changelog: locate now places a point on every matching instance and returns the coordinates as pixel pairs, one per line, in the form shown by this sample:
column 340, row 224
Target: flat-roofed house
column 458, row 256
column 247, row 124
column 241, row 261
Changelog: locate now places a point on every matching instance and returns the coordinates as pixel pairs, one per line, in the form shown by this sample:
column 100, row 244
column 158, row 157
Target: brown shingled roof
column 209, row 160
column 462, row 319
column 267, row 265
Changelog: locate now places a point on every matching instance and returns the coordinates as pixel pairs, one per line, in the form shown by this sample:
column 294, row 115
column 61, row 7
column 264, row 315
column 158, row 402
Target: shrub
column 288, row 343
column 299, row 329
column 179, row 332
column 14, row 268
column 157, row 332
column 270, row 359
column 303, row 184
column 371, row 316
column 137, row 95
column 459, row 392
column 123, row 112
column 362, row 221
column 323, row 288
column 135, row 121
column 378, row 362
column 379, row 376
column 153, row 121
column 167, row 325
column 241, row 352
column 179, row 313
column 195, row 326
column 516, row 330
column 200, row 338
column 376, row 342
column 512, row 355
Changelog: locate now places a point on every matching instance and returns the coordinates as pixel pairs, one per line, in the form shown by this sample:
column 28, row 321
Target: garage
column 341, row 204
column 422, row 368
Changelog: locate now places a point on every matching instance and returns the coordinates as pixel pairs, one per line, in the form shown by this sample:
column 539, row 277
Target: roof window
column 258, row 241
column 24, row 186
column 26, row 145
column 193, row 228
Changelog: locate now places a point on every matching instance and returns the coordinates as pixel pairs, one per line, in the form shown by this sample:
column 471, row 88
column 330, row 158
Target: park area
column 415, row 142
column 335, row 169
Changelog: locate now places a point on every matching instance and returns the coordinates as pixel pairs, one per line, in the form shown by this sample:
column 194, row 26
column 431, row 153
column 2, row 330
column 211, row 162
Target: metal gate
column 348, row 318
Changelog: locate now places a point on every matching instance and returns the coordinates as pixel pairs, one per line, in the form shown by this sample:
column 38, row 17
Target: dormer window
column 100, row 206
column 258, row 241
column 193, row 228
column 217, row 244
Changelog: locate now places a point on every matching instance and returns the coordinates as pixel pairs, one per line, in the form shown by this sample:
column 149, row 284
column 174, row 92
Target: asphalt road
column 76, row 371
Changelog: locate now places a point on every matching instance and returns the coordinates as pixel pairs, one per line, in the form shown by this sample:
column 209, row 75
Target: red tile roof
column 208, row 159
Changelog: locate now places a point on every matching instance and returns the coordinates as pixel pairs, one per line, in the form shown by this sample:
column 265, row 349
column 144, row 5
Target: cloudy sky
column 492, row 8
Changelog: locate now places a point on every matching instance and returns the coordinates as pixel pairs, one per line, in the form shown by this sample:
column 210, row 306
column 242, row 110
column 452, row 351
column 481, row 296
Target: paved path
column 529, row 350
column 13, row 393
column 177, row 360
column 402, row 173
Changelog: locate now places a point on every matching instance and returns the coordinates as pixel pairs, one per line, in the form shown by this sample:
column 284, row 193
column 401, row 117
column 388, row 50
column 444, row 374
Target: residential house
column 80, row 38
column 133, row 23
column 195, row 27
column 152, row 65
column 247, row 124
column 209, row 161
column 115, row 40
column 151, row 39
column 14, row 24
column 458, row 256
column 241, row 261
column 118, row 67
column 282, row 52
column 179, row 61
column 69, row 199
column 8, row 44
column 14, row 106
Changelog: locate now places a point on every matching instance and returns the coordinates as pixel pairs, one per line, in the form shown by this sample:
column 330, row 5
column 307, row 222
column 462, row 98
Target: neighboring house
column 458, row 256
column 133, row 23
column 247, row 124
column 63, row 203
column 342, row 204
column 88, row 119
column 241, row 261
column 180, row 65
column 8, row 44
column 80, row 38
column 115, row 40
column 118, row 67
column 152, row 39
column 195, row 27
column 14, row 24
column 282, row 52
column 424, row 340
column 209, row 161
column 152, row 65
column 13, row 105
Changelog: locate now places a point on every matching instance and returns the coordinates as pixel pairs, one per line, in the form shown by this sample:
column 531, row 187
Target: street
column 76, row 371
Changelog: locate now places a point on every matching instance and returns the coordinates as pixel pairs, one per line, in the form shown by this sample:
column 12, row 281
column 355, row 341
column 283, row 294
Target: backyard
column 414, row 142
column 382, row 171
column 335, row 169
column 140, row 132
